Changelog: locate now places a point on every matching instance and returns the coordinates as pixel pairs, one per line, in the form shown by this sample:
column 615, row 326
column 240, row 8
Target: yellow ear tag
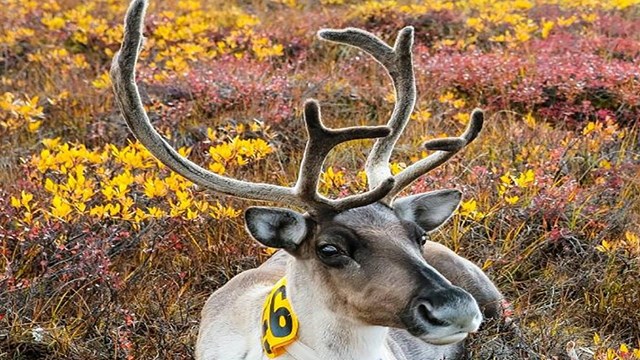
column 279, row 322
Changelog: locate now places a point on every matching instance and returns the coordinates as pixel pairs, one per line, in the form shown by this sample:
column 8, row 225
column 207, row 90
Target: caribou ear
column 428, row 210
column 276, row 227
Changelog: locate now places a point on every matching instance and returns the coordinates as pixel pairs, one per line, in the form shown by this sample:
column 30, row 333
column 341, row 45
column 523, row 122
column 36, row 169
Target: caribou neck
column 332, row 336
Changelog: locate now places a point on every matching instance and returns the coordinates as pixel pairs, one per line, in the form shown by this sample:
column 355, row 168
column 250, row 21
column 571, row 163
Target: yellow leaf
column 34, row 125
column 217, row 168
column 397, row 167
column 60, row 208
column 631, row 237
column 506, row 178
column 530, row 121
column 468, row 206
column 487, row 264
column 270, row 251
column 458, row 104
column 462, row 118
column 624, row 350
column 525, row 179
column 97, row 211
column 446, row 97
column 241, row 161
column 191, row 214
column 604, row 164
column 591, row 126
column 81, row 207
column 547, row 26
column 53, row 23
column 512, row 199
column 25, row 199
column 605, row 246
column 113, row 209
column 421, row 116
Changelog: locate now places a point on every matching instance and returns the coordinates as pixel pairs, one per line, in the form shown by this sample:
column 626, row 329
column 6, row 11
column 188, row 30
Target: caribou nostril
column 425, row 312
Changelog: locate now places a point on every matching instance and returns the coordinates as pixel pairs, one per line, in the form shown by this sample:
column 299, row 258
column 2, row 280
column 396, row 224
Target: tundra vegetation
column 106, row 254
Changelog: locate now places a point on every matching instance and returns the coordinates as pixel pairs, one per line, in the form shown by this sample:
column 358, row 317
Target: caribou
column 356, row 277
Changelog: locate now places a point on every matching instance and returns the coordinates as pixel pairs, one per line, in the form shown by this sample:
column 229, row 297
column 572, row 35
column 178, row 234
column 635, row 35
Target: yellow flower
column 262, row 48
column 261, row 148
column 631, row 238
column 240, row 160
column 211, row 134
column 605, row 164
column 140, row 216
column 80, row 206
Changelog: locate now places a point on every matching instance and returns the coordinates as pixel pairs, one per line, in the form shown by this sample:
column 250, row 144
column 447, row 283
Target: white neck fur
column 331, row 336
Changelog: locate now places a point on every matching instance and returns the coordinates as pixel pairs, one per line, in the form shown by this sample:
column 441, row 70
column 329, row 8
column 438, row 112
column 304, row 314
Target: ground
column 106, row 254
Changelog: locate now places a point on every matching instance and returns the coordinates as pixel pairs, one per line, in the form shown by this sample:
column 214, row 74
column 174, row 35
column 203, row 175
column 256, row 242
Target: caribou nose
column 452, row 309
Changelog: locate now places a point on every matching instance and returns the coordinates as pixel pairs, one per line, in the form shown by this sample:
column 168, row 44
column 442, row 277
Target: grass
column 107, row 255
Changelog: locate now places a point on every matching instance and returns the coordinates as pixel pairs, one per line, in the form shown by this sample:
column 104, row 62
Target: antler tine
column 321, row 141
column 399, row 65
column 447, row 147
column 128, row 98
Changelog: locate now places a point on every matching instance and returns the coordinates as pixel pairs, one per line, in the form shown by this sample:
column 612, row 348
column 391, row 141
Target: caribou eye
column 423, row 239
column 329, row 250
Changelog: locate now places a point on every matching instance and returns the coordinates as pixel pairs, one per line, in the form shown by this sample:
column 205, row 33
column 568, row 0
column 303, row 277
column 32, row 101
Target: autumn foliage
column 105, row 253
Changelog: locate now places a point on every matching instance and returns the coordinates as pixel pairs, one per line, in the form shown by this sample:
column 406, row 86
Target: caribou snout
column 443, row 316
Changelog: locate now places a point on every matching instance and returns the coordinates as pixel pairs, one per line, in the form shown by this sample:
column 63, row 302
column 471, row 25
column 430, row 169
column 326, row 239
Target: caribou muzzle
column 440, row 313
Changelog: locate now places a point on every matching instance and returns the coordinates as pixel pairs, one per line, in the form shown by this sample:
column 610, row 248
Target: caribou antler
column 398, row 63
column 321, row 140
